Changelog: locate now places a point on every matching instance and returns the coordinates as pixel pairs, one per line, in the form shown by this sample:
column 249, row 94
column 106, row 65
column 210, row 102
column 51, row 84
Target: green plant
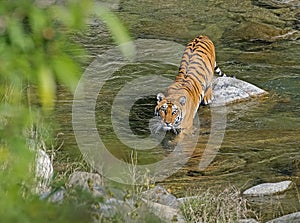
column 36, row 54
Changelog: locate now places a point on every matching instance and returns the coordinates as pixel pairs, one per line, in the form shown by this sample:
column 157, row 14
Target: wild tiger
column 193, row 86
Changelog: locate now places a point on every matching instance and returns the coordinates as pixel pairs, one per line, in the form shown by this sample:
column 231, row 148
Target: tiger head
column 171, row 112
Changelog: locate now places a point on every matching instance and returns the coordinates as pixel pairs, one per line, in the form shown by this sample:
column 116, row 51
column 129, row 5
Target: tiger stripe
column 196, row 64
column 218, row 71
column 192, row 86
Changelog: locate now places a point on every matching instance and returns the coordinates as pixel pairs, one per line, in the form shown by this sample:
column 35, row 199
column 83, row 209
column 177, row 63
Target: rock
column 84, row 179
column 229, row 90
column 43, row 172
column 110, row 207
column 88, row 181
column 274, row 4
column 163, row 204
column 268, row 188
column 160, row 195
column 165, row 212
column 250, row 220
column 290, row 218
column 57, row 196
column 253, row 31
column 181, row 200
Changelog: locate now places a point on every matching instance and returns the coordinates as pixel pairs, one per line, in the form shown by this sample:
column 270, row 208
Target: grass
column 224, row 207
column 277, row 205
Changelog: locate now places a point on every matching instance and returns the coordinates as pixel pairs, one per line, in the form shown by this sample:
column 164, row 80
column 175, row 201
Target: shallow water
column 257, row 41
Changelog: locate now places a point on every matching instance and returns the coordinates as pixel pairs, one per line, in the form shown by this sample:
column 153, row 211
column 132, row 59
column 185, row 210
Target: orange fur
column 192, row 86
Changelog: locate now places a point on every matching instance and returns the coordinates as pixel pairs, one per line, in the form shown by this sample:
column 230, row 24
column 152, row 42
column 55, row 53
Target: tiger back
column 193, row 85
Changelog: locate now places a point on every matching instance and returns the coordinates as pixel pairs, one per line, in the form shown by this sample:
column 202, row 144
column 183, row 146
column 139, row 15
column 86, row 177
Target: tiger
column 192, row 86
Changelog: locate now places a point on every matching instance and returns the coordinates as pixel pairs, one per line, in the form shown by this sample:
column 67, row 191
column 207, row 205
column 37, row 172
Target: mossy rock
column 253, row 31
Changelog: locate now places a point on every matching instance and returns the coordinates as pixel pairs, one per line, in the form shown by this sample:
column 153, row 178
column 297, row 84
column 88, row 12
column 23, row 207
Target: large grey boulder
column 228, row 90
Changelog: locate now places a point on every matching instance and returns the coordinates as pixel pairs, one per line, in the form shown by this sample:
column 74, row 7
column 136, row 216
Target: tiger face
column 170, row 111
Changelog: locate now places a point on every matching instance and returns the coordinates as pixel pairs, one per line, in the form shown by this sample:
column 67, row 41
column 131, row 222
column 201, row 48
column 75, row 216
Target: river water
column 257, row 41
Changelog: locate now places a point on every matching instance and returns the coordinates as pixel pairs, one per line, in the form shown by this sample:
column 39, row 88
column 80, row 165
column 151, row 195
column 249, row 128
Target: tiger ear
column 182, row 100
column 160, row 97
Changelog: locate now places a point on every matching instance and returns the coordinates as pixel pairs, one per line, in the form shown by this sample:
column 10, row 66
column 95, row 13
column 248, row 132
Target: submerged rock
column 290, row 218
column 229, row 90
column 253, row 31
column 268, row 188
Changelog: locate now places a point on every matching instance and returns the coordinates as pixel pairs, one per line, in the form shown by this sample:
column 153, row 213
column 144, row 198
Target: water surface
column 257, row 41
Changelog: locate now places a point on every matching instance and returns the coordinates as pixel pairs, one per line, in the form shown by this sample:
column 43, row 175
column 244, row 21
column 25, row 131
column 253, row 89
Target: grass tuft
column 225, row 207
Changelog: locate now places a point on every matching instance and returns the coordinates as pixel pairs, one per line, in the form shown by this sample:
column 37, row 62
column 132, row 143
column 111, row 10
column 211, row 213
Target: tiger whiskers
column 155, row 125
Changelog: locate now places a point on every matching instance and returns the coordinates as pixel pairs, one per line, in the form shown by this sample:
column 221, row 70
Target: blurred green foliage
column 35, row 48
column 36, row 54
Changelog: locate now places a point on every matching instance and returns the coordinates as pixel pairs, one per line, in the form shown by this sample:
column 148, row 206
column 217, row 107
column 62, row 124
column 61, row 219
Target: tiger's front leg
column 208, row 96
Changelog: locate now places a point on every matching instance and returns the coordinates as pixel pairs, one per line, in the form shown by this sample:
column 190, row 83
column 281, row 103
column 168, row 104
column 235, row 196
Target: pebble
column 268, row 188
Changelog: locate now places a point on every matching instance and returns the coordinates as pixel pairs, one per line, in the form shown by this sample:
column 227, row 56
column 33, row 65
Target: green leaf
column 66, row 71
column 17, row 35
column 38, row 20
column 46, row 87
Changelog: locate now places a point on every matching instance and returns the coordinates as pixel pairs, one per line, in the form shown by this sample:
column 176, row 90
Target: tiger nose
column 168, row 123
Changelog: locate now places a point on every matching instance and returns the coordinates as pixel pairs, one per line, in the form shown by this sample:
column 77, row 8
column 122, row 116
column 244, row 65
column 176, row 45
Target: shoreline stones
column 268, row 188
column 157, row 200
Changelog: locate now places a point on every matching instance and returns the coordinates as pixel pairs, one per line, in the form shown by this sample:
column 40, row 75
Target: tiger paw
column 207, row 100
